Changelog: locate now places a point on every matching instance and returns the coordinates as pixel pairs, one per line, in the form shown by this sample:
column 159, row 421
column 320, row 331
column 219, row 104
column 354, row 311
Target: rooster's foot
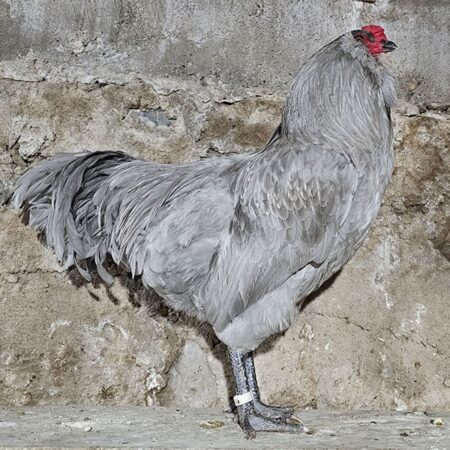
column 276, row 412
column 251, row 422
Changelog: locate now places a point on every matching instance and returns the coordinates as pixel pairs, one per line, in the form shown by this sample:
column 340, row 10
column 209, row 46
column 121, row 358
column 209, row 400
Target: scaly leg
column 272, row 412
column 249, row 419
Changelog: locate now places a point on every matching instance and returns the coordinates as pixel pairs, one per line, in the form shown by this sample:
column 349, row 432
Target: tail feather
column 91, row 205
column 60, row 195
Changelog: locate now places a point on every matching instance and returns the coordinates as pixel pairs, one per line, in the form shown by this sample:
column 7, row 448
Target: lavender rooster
column 238, row 241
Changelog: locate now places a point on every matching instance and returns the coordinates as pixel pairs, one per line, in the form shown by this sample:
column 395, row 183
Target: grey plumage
column 238, row 241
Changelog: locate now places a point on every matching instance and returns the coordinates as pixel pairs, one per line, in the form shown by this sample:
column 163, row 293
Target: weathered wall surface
column 175, row 81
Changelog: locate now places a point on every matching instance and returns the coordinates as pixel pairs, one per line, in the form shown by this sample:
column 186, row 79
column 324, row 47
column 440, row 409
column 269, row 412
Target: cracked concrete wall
column 179, row 81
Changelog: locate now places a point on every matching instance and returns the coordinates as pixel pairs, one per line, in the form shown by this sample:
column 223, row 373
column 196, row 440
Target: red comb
column 376, row 30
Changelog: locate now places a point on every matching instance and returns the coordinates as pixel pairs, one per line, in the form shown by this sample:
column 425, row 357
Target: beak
column 389, row 46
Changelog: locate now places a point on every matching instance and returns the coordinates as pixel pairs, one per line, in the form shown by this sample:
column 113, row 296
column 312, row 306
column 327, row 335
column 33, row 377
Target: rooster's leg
column 249, row 417
column 269, row 411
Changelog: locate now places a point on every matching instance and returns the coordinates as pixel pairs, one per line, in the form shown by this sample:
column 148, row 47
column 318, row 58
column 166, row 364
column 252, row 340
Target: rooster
column 238, row 241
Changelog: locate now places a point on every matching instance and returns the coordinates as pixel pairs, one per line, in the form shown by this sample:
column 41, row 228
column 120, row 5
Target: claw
column 295, row 419
column 250, row 434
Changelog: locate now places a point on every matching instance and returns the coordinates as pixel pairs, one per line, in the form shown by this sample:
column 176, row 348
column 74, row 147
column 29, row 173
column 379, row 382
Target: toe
column 260, row 423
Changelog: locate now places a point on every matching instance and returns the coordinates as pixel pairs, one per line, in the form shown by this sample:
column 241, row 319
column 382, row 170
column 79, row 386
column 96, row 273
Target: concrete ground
column 169, row 428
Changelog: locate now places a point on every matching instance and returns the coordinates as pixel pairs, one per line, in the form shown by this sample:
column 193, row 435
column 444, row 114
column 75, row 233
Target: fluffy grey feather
column 238, row 241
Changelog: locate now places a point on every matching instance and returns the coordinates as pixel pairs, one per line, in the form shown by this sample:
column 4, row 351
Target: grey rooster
column 238, row 241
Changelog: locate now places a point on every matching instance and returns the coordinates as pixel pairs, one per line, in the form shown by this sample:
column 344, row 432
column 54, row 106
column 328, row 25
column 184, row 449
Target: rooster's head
column 374, row 38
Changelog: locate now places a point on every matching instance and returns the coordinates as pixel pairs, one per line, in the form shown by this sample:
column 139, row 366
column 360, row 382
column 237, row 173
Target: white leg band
column 242, row 399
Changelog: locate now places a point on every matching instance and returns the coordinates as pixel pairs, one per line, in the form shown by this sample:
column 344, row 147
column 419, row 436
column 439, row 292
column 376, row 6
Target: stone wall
column 178, row 81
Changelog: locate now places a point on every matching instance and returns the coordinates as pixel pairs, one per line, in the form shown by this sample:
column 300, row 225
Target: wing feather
column 290, row 212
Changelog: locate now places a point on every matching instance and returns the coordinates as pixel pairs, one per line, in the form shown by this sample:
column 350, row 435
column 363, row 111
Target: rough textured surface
column 248, row 43
column 132, row 427
column 175, row 86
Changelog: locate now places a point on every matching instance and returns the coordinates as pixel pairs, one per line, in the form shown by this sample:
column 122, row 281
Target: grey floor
column 169, row 428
